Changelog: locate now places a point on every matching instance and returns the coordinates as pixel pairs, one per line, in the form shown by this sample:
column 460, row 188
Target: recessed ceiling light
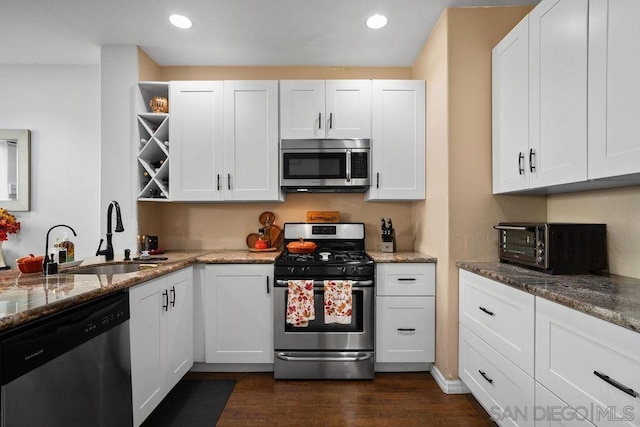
column 180, row 21
column 376, row 21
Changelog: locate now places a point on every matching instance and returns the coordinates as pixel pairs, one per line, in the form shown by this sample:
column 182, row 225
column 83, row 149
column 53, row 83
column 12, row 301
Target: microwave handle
column 511, row 227
column 348, row 165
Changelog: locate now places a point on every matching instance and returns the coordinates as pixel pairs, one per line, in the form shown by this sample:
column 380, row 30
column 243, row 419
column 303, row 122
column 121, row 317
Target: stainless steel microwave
column 556, row 248
column 325, row 165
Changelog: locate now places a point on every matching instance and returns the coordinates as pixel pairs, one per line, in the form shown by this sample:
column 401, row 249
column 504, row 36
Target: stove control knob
column 354, row 270
column 304, row 269
column 291, row 269
column 343, row 269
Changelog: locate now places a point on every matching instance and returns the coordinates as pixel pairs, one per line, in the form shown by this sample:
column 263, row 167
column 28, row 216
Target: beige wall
column 456, row 220
column 226, row 225
column 618, row 208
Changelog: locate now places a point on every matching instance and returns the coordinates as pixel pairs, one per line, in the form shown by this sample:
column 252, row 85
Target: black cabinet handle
column 165, row 300
column 330, row 120
column 406, row 279
column 484, row 375
column 406, row 329
column 631, row 392
column 521, row 163
column 228, row 181
column 377, row 179
column 218, row 177
column 319, row 120
column 490, row 313
column 531, row 154
column 268, row 289
column 173, row 296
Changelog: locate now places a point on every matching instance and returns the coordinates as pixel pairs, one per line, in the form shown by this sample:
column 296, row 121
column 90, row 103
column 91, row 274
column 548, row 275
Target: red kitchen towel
column 300, row 308
column 337, row 301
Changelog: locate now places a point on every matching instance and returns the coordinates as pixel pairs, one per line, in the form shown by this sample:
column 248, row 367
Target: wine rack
column 153, row 144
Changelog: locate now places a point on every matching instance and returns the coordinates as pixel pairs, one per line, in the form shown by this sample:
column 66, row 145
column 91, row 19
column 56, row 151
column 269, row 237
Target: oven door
column 318, row 336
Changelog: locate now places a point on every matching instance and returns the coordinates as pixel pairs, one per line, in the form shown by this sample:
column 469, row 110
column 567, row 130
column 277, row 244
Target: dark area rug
column 192, row 403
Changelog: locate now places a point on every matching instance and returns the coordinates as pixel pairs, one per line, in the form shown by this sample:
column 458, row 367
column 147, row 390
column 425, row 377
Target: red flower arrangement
column 8, row 224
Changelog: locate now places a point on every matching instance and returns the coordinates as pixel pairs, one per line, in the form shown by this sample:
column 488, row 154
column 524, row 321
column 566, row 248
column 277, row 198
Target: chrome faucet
column 48, row 266
column 108, row 251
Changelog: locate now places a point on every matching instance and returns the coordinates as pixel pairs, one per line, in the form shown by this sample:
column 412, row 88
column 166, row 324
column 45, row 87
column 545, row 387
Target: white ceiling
column 225, row 32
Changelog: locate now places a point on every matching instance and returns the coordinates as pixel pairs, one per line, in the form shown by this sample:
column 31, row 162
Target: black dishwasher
column 71, row 368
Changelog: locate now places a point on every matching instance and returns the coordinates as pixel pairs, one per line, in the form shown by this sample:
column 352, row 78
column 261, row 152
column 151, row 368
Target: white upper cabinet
column 196, row 137
column 398, row 140
column 325, row 109
column 224, row 141
column 510, row 59
column 614, row 88
column 558, row 92
column 582, row 99
column 251, row 141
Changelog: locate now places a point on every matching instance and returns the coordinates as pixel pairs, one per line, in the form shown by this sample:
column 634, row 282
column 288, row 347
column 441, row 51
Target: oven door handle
column 357, row 358
column 320, row 283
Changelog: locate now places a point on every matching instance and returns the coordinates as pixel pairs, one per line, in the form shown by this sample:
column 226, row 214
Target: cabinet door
column 179, row 325
column 558, row 92
column 398, row 140
column 614, row 88
column 510, row 145
column 405, row 329
column 302, row 105
column 148, row 347
column 238, row 313
column 589, row 363
column 196, row 137
column 551, row 411
column 348, row 109
column 251, row 141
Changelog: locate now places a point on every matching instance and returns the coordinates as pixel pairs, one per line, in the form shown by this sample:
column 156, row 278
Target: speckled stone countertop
column 615, row 299
column 26, row 297
column 401, row 256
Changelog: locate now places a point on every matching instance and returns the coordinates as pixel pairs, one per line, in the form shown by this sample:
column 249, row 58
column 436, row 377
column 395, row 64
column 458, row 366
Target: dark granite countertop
column 615, row 299
column 26, row 297
column 401, row 256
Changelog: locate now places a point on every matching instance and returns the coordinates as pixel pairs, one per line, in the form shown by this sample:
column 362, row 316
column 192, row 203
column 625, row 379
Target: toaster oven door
column 522, row 244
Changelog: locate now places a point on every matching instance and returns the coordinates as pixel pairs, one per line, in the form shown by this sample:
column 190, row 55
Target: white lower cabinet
column 551, row 411
column 161, row 328
column 405, row 315
column 591, row 364
column 501, row 387
column 238, row 313
column 496, row 345
column 587, row 370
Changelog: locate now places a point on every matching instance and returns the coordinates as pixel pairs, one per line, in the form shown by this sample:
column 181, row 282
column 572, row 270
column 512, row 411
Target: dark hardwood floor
column 397, row 399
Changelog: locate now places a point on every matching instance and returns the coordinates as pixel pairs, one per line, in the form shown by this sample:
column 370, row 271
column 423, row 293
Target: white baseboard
column 449, row 386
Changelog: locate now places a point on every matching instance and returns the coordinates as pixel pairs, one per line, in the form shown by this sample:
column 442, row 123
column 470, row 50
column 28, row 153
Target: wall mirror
column 15, row 165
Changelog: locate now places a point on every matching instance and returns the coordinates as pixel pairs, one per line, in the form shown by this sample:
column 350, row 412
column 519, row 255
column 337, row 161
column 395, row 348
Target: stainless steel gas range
column 324, row 305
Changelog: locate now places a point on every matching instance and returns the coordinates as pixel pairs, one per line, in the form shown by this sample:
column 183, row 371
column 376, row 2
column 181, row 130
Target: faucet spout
column 108, row 251
column 47, row 263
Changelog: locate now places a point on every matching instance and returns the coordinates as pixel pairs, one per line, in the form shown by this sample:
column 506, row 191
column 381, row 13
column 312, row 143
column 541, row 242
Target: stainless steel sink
column 108, row 269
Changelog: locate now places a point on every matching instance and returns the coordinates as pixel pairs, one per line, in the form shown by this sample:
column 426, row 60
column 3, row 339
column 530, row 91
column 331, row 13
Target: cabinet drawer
column 551, row 411
column 406, row 279
column 573, row 348
column 503, row 389
column 500, row 315
column 405, row 329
